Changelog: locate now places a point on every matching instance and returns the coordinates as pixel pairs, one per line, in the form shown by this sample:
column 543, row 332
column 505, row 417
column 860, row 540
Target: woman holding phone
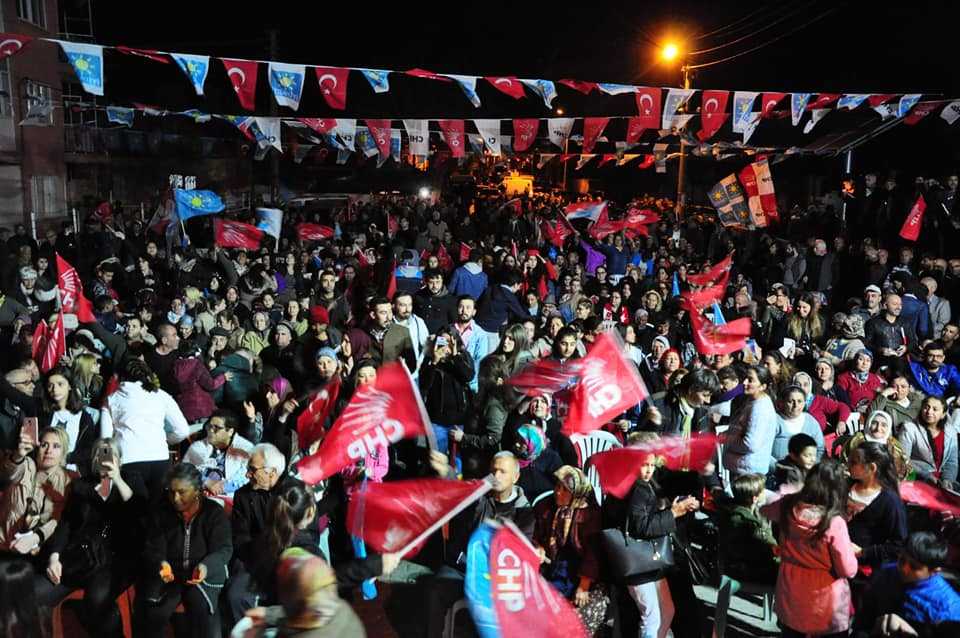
column 95, row 546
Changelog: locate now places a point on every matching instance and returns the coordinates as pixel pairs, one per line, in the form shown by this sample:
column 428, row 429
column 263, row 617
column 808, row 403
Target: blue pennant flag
column 378, row 79
column 798, row 103
column 544, row 88
column 87, row 61
column 195, row 203
column 195, row 66
column 718, row 319
column 907, row 102
column 616, row 89
column 468, row 84
column 286, row 80
column 118, row 115
column 675, row 291
column 270, row 220
column 851, row 100
column 197, row 115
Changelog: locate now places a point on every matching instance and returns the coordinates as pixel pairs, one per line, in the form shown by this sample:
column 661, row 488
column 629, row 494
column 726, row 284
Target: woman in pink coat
column 816, row 556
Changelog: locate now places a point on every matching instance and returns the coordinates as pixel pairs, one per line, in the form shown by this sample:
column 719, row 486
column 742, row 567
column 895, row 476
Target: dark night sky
column 859, row 47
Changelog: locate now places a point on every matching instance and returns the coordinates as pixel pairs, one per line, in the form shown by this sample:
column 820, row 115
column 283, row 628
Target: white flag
column 675, row 98
column 346, row 130
column 559, row 129
column 544, row 158
column 951, row 112
column 815, row 116
column 751, row 126
column 584, row 159
column 270, row 130
column 418, row 137
column 886, row 111
column 490, row 132
column 742, row 106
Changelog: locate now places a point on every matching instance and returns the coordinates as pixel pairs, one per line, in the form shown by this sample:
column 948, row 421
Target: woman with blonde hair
column 87, row 381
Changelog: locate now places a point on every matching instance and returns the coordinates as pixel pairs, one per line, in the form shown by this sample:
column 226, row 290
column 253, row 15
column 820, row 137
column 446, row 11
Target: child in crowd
column 801, row 456
column 747, row 545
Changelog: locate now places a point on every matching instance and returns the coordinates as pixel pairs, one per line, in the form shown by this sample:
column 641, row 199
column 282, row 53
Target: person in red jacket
column 859, row 383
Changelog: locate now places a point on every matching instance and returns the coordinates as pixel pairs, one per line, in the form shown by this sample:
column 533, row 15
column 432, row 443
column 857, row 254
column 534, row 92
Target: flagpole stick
column 462, row 505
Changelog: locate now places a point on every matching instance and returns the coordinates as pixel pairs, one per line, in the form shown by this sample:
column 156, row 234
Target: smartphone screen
column 31, row 429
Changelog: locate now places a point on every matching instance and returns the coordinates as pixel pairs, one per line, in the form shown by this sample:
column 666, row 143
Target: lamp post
column 669, row 53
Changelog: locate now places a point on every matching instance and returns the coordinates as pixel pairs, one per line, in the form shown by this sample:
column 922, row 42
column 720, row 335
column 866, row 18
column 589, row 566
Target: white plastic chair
column 589, row 444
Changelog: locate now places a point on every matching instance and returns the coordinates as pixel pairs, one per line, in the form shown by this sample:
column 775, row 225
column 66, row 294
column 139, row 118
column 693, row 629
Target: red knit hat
column 319, row 314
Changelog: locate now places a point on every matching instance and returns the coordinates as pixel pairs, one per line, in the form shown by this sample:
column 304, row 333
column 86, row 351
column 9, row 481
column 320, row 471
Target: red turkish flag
column 879, row 98
column 648, row 107
column 607, row 384
column 452, row 132
column 713, row 273
column 12, row 43
column 710, row 338
column 233, row 234
column 930, row 497
column 150, row 54
column 619, row 468
column 310, row 422
column 592, row 129
column 243, row 76
column 400, row 515
column 72, row 299
column 911, row 225
column 823, row 100
column 525, row 603
column 769, row 102
column 580, row 85
column 333, row 85
column 713, row 113
column 427, row 75
column 380, row 131
column 313, row 232
column 465, row 251
column 385, row 412
column 508, row 85
column 921, row 111
column 54, row 347
column 321, row 126
column 635, row 130
column 524, row 133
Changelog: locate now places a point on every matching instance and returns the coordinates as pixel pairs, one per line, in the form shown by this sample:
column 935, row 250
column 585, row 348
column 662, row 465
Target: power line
column 733, row 24
column 756, row 31
column 768, row 42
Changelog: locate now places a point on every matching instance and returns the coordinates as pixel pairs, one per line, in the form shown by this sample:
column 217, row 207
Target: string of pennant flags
column 287, row 82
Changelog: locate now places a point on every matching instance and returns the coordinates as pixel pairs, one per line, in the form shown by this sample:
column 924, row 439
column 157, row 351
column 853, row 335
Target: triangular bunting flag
column 196, row 68
column 544, row 88
column 87, row 62
column 243, row 76
column 378, row 79
column 508, row 85
column 468, row 84
column 286, row 81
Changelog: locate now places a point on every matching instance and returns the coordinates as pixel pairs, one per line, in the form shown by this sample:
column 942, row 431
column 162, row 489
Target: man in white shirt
column 403, row 315
column 475, row 339
column 222, row 456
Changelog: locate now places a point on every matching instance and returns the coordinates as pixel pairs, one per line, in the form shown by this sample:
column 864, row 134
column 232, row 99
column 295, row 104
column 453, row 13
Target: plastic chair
column 589, row 444
column 730, row 587
column 124, row 603
column 450, row 621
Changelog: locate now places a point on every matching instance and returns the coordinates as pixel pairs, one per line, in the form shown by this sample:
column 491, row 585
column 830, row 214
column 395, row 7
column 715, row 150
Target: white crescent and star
column 506, row 81
column 4, row 48
column 239, row 72
column 716, row 105
column 332, row 78
column 649, row 109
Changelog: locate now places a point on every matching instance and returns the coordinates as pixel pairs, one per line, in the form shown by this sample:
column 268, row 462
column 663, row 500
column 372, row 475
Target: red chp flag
column 380, row 131
column 313, row 232
column 452, row 133
column 607, row 384
column 710, row 338
column 713, row 113
column 243, row 76
column 707, row 296
column 930, row 497
column 524, row 133
column 49, row 344
column 592, row 129
column 399, row 515
column 234, row 234
column 911, row 225
column 310, row 422
column 72, row 299
column 761, row 197
column 713, row 274
column 465, row 251
column 388, row 411
column 648, row 107
column 525, row 603
column 619, row 468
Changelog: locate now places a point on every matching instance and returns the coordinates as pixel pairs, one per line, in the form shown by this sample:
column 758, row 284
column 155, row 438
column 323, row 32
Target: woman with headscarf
column 859, row 383
column 824, row 382
column 565, row 532
column 828, row 413
column 538, row 462
column 537, row 410
column 899, row 400
column 879, row 429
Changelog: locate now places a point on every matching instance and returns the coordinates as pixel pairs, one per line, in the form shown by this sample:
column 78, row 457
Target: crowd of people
column 160, row 456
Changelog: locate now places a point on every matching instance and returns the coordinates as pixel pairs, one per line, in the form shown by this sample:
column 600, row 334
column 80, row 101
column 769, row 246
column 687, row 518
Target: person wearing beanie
column 282, row 354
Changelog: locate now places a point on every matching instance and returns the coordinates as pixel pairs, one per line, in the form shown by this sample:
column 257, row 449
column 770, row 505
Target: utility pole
column 682, row 168
column 274, row 156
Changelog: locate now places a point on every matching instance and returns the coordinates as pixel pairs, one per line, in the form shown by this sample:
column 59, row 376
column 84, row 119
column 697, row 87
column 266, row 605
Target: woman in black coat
column 184, row 559
column 444, row 383
column 112, row 525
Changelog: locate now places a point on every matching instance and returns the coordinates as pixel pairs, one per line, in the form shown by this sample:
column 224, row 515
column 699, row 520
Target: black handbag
column 632, row 557
column 84, row 555
column 699, row 571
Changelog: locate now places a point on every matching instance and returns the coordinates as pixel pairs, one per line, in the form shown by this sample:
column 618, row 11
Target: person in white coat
column 939, row 307
column 222, row 456
column 145, row 420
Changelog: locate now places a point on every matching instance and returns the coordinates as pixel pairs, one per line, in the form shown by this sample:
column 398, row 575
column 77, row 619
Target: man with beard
column 433, row 303
column 403, row 315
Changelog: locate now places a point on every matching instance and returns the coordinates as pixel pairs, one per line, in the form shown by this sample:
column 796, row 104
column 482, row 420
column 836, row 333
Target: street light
column 669, row 53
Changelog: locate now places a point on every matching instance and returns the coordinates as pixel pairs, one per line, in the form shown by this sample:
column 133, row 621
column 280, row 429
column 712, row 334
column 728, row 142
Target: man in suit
column 389, row 341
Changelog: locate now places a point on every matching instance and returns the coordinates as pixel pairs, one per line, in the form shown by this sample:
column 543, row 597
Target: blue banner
column 270, row 220
column 87, row 61
column 378, row 79
column 286, row 81
column 477, row 584
column 118, row 115
column 196, row 203
column 196, row 68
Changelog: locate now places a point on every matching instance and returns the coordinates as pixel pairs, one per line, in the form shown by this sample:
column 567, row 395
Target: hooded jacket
column 468, row 279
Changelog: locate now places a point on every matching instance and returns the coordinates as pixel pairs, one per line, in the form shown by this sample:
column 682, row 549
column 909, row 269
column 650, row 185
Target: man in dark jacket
column 388, row 341
column 433, row 303
column 683, row 410
column 888, row 335
column 498, row 306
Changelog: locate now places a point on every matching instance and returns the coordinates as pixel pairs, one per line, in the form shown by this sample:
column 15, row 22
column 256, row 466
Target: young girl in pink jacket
column 816, row 556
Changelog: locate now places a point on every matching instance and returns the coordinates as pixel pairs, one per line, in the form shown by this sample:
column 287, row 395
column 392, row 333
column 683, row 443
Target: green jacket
column 747, row 546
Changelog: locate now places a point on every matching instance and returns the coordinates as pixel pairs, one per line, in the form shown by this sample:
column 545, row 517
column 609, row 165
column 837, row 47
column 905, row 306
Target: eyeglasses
column 252, row 469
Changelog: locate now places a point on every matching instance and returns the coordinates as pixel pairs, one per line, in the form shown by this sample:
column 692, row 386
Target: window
column 32, row 11
column 6, row 101
column 38, row 102
column 46, row 196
